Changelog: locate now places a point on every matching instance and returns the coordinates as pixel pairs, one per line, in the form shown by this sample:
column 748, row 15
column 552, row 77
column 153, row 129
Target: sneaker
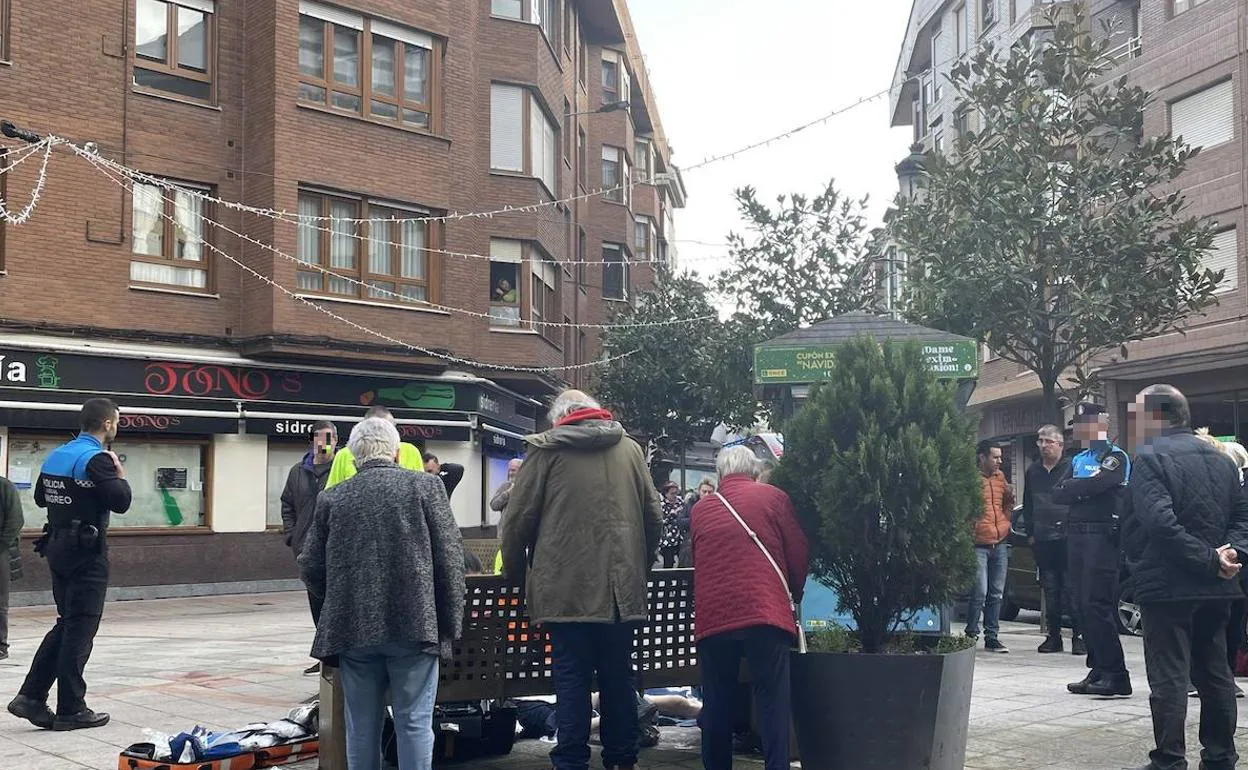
column 83, row 720
column 1191, row 691
column 1111, row 687
column 34, row 711
column 1052, row 644
column 313, row 669
column 1081, row 687
column 1077, row 647
column 994, row 645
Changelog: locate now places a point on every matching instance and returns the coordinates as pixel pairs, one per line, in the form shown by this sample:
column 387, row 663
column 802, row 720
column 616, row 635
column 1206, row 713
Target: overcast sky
column 730, row 72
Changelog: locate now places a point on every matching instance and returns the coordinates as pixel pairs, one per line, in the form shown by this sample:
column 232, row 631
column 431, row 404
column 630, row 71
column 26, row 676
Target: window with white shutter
column 1206, row 118
column 1224, row 256
column 507, row 128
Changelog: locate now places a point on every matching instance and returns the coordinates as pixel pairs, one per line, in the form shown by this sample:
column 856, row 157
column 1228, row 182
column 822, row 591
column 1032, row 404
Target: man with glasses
column 1045, row 521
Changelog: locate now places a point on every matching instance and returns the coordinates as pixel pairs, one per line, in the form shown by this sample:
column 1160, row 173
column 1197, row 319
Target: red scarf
column 581, row 415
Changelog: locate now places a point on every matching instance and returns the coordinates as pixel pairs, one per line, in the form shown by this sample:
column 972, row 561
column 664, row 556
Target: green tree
column 881, row 468
column 1055, row 231
column 798, row 263
column 677, row 384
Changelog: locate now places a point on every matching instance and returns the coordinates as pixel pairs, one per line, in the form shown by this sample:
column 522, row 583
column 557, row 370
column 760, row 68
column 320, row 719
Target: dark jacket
column 584, row 520
column 11, row 519
column 1095, row 489
column 79, row 482
column 1042, row 517
column 303, row 484
column 451, row 474
column 737, row 587
column 1186, row 503
column 385, row 553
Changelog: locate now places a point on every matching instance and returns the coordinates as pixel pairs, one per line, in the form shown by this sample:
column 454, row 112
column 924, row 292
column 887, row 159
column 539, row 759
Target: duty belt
column 1090, row 527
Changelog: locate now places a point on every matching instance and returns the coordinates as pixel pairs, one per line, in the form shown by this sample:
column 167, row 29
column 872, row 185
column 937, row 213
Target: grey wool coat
column 582, row 525
column 385, row 553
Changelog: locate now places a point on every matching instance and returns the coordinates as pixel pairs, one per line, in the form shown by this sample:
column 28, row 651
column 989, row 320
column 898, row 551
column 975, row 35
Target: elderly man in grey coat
column 385, row 554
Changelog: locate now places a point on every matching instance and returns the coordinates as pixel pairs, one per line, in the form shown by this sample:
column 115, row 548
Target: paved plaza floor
column 226, row 661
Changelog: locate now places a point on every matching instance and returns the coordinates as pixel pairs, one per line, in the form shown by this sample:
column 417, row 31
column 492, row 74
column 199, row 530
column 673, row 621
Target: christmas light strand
column 447, row 357
column 20, row 218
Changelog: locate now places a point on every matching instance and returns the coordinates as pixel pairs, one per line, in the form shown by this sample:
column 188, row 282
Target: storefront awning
column 139, row 419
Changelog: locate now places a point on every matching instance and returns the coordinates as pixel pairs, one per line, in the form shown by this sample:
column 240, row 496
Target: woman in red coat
column 742, row 607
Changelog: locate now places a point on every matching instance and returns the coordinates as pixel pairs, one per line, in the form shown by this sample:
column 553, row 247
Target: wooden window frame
column 624, row 277
column 170, row 65
column 362, row 275
column 582, row 152
column 569, row 26
column 550, row 23
column 364, row 90
column 987, row 14
column 4, row 36
column 167, row 258
column 644, row 252
column 566, row 140
column 531, row 254
column 616, row 86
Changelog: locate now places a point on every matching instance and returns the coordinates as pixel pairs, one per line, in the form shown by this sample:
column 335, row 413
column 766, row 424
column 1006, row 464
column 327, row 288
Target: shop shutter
column 507, row 128
column 1224, row 256
column 1206, row 118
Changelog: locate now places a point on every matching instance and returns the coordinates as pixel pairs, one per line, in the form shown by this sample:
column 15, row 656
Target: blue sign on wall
column 819, row 611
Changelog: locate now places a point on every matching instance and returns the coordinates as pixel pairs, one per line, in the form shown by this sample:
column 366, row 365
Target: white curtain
column 147, row 228
column 342, row 243
column 379, row 239
column 412, row 253
column 188, row 228
column 309, row 236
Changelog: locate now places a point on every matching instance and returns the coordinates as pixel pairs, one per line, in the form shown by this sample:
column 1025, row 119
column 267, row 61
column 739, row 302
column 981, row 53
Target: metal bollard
column 333, row 728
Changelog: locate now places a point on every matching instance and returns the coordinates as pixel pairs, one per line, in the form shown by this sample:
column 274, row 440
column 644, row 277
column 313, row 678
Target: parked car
column 1022, row 584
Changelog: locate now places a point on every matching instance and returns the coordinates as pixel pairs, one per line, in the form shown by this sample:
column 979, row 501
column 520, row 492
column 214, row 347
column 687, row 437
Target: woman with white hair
column 384, row 552
column 752, row 560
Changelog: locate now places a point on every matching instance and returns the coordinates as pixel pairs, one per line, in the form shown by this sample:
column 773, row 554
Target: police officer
column 79, row 484
column 1095, row 489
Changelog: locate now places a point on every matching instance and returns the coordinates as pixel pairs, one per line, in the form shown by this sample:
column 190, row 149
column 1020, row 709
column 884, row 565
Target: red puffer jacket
column 735, row 586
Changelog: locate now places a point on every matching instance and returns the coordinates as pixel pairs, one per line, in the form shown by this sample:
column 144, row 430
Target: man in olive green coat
column 11, row 522
column 580, row 532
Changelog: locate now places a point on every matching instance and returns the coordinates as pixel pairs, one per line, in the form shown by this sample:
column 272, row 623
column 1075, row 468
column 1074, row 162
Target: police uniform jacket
column 79, row 483
column 1095, row 489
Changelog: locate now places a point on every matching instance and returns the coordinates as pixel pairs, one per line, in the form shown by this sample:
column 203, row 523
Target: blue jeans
column 412, row 679
column 988, row 589
column 580, row 651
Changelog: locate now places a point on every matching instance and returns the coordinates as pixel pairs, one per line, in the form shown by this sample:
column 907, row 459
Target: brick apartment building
column 375, row 116
column 1192, row 55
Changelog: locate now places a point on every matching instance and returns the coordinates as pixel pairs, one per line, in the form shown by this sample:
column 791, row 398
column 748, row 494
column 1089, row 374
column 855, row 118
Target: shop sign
column 497, row 442
column 132, row 421
column 954, row 359
column 302, row 430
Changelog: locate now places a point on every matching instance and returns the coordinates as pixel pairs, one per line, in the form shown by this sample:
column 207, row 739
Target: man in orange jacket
column 991, row 552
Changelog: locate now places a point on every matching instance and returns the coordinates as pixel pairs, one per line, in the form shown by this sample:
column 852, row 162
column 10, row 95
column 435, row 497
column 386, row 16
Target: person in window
column 743, row 608
column 450, row 473
column 344, row 464
column 303, row 485
column 504, row 292
column 385, row 554
column 81, row 484
column 11, row 522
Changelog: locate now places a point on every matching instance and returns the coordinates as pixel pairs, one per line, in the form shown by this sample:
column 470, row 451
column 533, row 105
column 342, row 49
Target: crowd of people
column 1174, row 519
column 583, row 525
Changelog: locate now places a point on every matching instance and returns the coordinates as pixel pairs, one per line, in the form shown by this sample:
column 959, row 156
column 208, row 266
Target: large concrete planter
column 891, row 712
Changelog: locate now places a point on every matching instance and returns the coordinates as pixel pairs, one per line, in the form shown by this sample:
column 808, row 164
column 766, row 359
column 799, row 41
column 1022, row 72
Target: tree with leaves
column 880, row 464
column 676, row 384
column 798, row 263
column 1055, row 231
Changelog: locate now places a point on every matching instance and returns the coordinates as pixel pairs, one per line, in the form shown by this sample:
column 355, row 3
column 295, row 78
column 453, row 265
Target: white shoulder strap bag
column 801, row 635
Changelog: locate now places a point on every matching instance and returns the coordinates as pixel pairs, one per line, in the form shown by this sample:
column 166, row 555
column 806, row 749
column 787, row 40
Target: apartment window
column 513, row 301
column 569, row 27
column 614, row 272
column 522, row 137
column 167, row 230
column 582, row 257
column 510, row 9
column 616, row 176
column 1185, row 5
column 582, row 159
column 643, row 239
column 615, row 80
column 938, row 141
column 1206, row 118
column 383, row 258
column 938, row 58
column 988, row 13
column 1224, row 256
column 582, row 72
column 959, row 30
column 548, row 20
column 173, row 44
column 961, row 122
column 367, row 67
column 919, row 116
column 643, row 156
column 567, row 132
column 4, row 33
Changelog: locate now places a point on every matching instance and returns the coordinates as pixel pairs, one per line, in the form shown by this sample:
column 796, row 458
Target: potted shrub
column 880, row 464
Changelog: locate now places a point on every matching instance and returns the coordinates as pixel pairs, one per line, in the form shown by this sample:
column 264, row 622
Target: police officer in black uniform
column 1095, row 489
column 80, row 483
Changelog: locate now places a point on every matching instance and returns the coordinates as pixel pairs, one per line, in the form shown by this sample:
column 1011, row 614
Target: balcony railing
column 1128, row 50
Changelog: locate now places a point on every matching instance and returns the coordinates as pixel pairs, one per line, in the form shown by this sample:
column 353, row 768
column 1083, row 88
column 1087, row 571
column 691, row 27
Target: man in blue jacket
column 81, row 484
column 1185, row 539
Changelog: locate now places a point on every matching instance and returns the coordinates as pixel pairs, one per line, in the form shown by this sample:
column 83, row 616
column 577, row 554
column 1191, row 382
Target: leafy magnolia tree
column 798, row 263
column 881, row 468
column 1055, row 230
column 676, row 384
